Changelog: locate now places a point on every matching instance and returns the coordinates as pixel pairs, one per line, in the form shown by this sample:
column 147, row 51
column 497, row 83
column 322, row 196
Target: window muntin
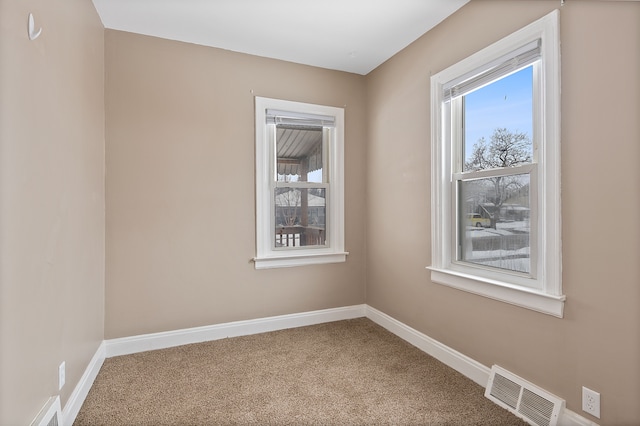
column 299, row 184
column 300, row 210
column 460, row 184
column 488, row 139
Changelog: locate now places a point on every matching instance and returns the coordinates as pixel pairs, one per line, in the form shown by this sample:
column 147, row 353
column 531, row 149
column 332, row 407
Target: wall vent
column 50, row 415
column 527, row 401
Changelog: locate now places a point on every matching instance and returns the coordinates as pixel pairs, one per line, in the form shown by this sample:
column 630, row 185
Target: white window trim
column 266, row 254
column 546, row 294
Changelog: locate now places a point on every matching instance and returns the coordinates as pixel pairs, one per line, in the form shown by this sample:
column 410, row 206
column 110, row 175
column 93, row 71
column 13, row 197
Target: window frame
column 542, row 291
column 267, row 254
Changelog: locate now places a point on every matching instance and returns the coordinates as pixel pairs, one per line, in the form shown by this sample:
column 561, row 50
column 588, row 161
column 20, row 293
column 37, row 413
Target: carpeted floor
column 342, row 373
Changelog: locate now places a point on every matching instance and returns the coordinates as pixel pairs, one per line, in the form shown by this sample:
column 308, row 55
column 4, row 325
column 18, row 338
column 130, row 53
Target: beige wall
column 180, row 187
column 597, row 344
column 51, row 201
column 180, row 198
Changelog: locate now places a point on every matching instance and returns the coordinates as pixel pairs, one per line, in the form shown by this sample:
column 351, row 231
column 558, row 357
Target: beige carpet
column 342, row 373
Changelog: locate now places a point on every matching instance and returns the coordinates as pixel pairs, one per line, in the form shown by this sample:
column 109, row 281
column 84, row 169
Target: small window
column 299, row 184
column 496, row 176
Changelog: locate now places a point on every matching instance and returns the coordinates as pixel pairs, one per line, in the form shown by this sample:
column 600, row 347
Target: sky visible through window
column 506, row 103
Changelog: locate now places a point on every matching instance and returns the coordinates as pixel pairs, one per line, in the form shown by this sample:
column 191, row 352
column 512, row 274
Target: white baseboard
column 147, row 342
column 454, row 359
column 470, row 368
column 80, row 392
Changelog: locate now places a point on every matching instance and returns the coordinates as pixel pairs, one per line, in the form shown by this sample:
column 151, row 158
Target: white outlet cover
column 591, row 402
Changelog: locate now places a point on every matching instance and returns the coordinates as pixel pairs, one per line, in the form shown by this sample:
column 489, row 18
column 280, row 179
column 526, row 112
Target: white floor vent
column 527, row 401
column 50, row 415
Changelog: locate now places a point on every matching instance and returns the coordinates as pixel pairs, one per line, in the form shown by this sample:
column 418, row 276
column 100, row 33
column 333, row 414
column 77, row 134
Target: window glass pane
column 300, row 217
column 494, row 222
column 498, row 123
column 299, row 153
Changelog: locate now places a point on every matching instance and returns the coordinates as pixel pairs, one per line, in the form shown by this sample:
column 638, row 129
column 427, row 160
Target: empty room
column 444, row 186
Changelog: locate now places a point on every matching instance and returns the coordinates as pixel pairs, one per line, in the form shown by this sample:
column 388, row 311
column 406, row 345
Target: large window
column 299, row 184
column 496, row 171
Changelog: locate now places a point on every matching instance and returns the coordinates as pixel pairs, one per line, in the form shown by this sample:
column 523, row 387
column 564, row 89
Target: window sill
column 504, row 292
column 289, row 260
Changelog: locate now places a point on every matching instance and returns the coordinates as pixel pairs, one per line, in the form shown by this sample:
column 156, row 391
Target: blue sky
column 504, row 103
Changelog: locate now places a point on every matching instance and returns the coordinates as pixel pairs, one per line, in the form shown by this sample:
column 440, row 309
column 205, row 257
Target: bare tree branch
column 506, row 149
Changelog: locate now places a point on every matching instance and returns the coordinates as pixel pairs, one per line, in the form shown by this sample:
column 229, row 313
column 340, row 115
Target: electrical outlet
column 61, row 375
column 591, row 402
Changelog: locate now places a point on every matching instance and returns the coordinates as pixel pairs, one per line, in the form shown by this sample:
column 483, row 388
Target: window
column 299, row 184
column 496, row 171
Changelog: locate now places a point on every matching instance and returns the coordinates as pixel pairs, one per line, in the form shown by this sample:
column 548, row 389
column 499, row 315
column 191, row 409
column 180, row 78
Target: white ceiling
column 348, row 35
